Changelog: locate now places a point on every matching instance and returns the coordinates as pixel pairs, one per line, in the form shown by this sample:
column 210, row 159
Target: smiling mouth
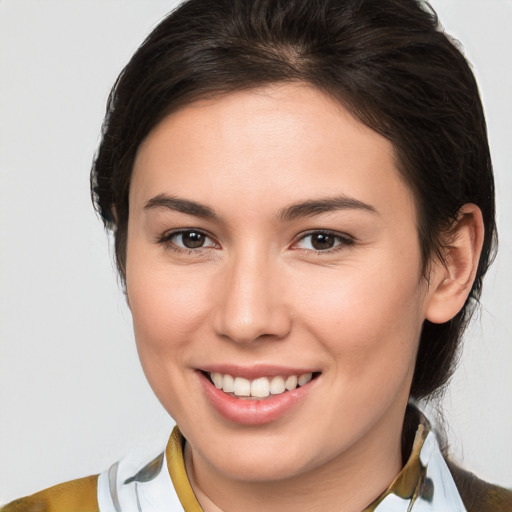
column 260, row 388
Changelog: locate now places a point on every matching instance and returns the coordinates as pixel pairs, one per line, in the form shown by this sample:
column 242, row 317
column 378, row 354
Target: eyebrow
column 324, row 205
column 180, row 205
column 307, row 208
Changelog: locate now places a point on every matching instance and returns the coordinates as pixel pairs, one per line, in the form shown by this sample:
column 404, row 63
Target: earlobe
column 452, row 280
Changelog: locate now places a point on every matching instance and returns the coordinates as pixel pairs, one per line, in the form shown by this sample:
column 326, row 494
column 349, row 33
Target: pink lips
column 253, row 412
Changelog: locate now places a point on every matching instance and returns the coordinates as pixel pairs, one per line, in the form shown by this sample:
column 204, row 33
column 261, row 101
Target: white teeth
column 228, row 385
column 242, row 387
column 291, row 382
column 305, row 378
column 217, row 380
column 277, row 385
column 261, row 387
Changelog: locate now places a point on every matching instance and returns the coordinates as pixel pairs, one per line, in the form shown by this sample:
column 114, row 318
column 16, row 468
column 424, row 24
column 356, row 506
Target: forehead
column 286, row 138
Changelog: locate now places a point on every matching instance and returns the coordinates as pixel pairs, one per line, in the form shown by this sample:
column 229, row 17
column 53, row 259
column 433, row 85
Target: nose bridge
column 249, row 307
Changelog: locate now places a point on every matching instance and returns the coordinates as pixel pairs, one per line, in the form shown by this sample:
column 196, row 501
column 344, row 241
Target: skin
column 258, row 292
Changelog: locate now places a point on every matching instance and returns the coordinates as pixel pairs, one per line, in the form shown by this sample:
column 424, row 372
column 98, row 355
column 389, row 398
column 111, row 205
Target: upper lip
column 255, row 371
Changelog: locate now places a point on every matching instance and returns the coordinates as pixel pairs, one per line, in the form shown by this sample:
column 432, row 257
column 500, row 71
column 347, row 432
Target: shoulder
column 76, row 495
column 480, row 496
column 132, row 483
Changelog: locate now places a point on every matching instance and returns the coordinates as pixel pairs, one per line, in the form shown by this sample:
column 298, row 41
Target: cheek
column 369, row 321
column 167, row 312
column 167, row 304
column 369, row 327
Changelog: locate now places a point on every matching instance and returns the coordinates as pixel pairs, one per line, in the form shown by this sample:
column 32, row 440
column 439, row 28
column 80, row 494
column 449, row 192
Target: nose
column 250, row 304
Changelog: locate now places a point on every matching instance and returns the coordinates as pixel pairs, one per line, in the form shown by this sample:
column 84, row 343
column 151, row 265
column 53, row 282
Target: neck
column 347, row 483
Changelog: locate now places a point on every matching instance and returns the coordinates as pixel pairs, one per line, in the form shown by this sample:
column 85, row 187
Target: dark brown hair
column 387, row 61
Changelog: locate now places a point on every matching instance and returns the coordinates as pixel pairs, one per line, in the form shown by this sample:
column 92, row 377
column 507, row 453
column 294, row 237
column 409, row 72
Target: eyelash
column 166, row 240
column 343, row 241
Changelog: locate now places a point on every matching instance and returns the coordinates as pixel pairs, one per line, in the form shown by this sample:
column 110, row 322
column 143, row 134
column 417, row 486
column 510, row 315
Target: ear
column 451, row 280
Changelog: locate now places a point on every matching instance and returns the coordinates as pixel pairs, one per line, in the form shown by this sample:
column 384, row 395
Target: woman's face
column 270, row 238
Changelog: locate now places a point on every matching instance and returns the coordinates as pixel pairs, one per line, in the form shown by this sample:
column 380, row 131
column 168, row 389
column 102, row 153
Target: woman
column 303, row 207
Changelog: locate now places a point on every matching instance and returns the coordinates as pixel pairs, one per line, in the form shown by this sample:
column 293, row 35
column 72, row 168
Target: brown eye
column 188, row 239
column 192, row 239
column 322, row 241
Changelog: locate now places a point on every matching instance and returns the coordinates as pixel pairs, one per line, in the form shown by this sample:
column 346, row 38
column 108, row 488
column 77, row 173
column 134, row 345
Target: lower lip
column 253, row 412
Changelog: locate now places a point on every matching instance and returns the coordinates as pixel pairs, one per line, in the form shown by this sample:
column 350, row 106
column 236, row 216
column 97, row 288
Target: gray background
column 73, row 398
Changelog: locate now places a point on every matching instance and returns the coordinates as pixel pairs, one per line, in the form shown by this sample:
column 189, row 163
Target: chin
column 260, row 455
column 252, row 468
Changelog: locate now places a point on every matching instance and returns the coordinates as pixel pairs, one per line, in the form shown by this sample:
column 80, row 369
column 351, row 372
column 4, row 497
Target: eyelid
column 344, row 240
column 166, row 237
